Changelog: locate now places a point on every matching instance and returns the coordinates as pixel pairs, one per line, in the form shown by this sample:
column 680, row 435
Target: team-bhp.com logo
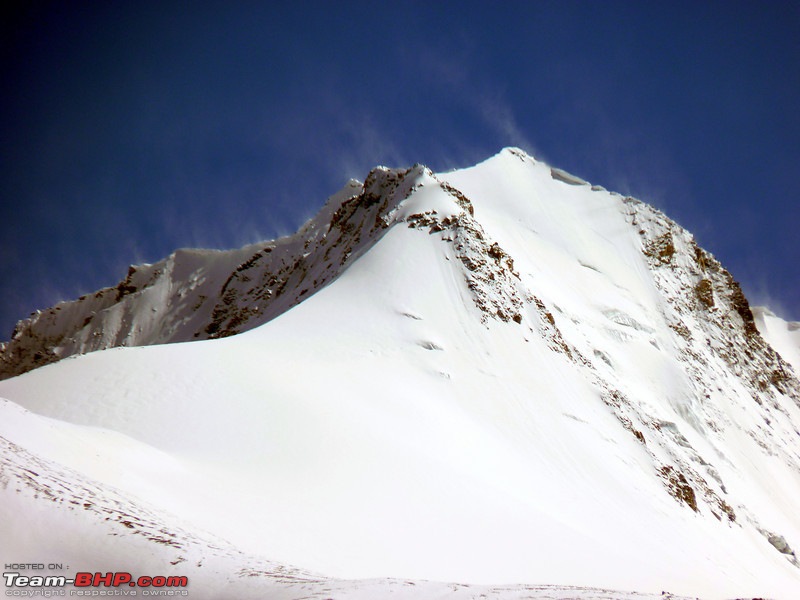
column 94, row 584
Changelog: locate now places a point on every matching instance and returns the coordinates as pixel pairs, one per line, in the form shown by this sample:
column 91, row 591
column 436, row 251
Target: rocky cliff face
column 726, row 362
column 206, row 294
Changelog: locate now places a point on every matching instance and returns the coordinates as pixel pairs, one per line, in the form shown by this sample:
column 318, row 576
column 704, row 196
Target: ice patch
column 428, row 345
column 621, row 318
column 569, row 178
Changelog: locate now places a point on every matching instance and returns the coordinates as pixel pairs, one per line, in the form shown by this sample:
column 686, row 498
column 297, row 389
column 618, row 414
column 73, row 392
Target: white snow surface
column 783, row 336
column 518, row 382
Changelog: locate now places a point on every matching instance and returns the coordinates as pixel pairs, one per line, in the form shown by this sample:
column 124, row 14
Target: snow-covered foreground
column 503, row 376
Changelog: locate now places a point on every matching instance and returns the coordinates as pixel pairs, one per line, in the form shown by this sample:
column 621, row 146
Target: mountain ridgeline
column 197, row 294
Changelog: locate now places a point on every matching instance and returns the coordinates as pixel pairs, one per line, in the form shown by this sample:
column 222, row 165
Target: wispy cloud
column 500, row 117
column 457, row 80
column 362, row 141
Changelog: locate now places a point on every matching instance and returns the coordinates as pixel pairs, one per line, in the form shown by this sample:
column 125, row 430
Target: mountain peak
column 196, row 294
column 513, row 374
column 516, row 152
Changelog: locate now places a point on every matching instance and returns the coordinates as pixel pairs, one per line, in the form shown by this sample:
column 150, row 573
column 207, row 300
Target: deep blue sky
column 130, row 129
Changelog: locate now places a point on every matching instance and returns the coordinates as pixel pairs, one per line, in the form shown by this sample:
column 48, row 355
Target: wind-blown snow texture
column 492, row 376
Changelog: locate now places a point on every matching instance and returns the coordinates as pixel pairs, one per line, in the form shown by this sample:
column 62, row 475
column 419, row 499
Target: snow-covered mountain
column 498, row 375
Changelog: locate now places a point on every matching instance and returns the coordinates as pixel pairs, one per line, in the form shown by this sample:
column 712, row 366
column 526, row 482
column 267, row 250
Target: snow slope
column 783, row 336
column 493, row 376
column 201, row 294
